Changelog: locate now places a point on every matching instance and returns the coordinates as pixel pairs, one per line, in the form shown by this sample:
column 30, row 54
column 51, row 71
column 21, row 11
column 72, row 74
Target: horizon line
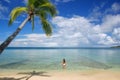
column 57, row 47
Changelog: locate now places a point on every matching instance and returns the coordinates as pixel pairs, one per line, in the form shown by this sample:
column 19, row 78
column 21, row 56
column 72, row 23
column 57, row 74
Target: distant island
column 115, row 47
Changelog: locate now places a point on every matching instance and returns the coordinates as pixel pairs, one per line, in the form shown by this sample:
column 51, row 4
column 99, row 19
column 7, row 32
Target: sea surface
column 51, row 59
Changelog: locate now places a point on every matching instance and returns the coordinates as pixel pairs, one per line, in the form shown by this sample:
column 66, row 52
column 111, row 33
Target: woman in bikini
column 64, row 63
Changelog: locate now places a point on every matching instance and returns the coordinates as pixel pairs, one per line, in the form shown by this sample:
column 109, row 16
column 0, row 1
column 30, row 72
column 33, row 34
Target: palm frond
column 46, row 27
column 35, row 3
column 15, row 13
column 31, row 3
column 49, row 8
column 40, row 2
column 42, row 14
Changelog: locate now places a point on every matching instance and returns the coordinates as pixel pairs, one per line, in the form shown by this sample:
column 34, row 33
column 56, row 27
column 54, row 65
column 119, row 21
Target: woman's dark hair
column 64, row 60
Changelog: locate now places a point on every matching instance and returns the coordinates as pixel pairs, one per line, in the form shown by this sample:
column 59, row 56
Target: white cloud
column 8, row 1
column 25, row 1
column 3, row 9
column 34, row 40
column 105, row 40
column 99, row 12
column 95, row 14
column 74, row 31
column 89, row 33
column 116, row 7
column 110, row 22
column 62, row 1
column 116, row 35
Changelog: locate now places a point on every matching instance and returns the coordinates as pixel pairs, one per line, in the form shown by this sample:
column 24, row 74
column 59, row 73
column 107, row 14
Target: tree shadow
column 27, row 76
column 34, row 73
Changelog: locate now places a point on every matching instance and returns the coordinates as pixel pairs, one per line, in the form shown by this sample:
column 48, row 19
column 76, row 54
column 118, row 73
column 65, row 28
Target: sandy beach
column 62, row 75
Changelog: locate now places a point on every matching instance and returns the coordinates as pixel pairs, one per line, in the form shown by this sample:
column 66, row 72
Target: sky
column 79, row 23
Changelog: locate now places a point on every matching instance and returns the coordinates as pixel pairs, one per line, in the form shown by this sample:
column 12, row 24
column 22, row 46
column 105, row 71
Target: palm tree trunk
column 11, row 37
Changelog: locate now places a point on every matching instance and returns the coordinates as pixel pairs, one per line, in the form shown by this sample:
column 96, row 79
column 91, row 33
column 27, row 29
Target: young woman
column 64, row 63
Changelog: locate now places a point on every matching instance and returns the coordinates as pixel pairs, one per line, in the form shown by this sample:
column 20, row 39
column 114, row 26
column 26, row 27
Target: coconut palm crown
column 41, row 8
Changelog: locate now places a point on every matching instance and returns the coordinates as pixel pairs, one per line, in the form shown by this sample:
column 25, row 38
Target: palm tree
column 40, row 8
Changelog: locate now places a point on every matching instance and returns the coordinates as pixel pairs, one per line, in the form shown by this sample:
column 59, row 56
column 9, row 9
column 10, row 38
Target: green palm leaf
column 35, row 3
column 49, row 8
column 31, row 3
column 15, row 13
column 42, row 14
column 46, row 27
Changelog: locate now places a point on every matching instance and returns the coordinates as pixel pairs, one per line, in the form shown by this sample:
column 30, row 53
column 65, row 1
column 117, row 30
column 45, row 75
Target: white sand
column 64, row 75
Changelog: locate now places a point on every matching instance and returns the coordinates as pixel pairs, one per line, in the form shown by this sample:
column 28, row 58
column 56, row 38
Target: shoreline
column 62, row 75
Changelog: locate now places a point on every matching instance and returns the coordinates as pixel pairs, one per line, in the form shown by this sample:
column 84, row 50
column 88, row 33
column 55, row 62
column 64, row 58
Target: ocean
column 51, row 59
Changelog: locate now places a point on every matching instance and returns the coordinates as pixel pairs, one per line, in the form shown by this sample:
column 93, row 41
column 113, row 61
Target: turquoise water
column 50, row 59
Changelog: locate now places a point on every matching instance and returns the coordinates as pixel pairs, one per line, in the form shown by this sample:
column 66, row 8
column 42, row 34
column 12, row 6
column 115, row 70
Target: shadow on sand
column 27, row 76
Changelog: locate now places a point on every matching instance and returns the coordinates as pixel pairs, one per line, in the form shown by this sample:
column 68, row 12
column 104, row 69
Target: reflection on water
column 51, row 59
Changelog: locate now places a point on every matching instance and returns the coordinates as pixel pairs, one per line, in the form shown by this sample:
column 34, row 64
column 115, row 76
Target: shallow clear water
column 50, row 59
